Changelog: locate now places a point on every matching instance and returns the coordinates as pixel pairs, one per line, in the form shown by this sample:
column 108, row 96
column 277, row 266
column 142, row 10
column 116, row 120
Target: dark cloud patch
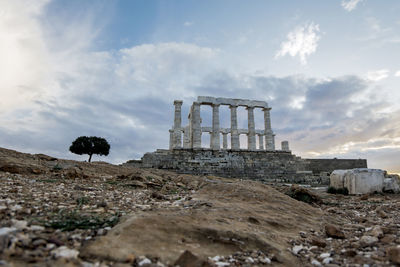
column 334, row 94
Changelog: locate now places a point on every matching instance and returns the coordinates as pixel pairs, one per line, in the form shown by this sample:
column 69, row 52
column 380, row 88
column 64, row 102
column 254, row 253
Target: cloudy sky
column 330, row 70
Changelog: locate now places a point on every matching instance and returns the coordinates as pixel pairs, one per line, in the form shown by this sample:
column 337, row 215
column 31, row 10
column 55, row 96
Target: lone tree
column 90, row 145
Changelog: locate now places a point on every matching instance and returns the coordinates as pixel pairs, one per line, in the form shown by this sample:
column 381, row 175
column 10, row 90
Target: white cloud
column 397, row 74
column 349, row 5
column 376, row 29
column 165, row 67
column 39, row 54
column 302, row 41
column 24, row 64
column 187, row 23
column 374, row 24
column 379, row 33
column 377, row 75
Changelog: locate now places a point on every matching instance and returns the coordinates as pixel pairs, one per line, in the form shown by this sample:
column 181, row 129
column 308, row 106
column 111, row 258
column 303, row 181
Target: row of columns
column 225, row 140
column 195, row 129
column 186, row 140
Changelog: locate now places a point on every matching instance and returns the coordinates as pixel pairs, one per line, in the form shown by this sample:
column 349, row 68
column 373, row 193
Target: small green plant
column 48, row 180
column 333, row 190
column 112, row 182
column 173, row 191
column 82, row 201
column 71, row 220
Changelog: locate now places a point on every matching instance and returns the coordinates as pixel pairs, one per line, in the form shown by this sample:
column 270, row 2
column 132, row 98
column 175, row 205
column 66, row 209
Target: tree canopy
column 90, row 145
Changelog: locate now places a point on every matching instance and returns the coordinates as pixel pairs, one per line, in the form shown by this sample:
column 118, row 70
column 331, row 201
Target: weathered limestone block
column 392, row 184
column 337, row 179
column 364, row 181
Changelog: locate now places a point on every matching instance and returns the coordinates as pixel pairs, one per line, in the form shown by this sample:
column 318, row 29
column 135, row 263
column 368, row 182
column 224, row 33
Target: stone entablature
column 193, row 131
column 209, row 100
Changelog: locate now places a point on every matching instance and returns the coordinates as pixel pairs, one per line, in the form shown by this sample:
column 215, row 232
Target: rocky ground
column 66, row 213
column 367, row 232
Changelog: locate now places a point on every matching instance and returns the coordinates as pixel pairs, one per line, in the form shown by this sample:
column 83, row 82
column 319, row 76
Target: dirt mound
column 220, row 219
column 43, row 165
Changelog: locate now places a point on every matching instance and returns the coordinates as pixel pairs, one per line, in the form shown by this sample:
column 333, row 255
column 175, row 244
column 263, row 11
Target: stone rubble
column 367, row 239
column 29, row 202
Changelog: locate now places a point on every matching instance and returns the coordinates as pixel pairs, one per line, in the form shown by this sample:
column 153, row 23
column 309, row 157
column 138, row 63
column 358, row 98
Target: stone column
column 190, row 130
column 285, row 145
column 235, row 143
column 196, row 125
column 215, row 144
column 225, row 140
column 251, row 135
column 186, row 137
column 269, row 142
column 177, row 124
column 171, row 139
column 261, row 141
column 273, row 141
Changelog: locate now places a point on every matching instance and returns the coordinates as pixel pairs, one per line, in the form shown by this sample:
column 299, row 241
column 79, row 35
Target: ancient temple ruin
column 193, row 131
column 187, row 155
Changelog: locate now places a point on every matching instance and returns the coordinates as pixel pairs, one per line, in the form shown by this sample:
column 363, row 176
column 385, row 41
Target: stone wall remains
column 329, row 165
column 268, row 166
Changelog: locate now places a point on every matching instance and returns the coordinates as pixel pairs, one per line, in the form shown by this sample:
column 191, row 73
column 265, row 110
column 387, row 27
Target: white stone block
column 391, row 184
column 337, row 178
column 360, row 181
column 364, row 181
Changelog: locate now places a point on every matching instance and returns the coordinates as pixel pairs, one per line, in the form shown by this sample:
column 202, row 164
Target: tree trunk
column 90, row 157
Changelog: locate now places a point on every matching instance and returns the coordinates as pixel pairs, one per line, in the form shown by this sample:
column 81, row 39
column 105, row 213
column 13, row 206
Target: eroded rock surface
column 220, row 218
